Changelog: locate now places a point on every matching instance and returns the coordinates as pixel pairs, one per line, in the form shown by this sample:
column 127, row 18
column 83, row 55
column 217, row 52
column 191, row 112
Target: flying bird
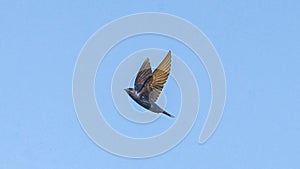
column 148, row 85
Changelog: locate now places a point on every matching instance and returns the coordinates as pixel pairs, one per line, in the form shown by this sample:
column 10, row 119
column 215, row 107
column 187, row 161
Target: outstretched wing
column 144, row 73
column 155, row 83
column 159, row 77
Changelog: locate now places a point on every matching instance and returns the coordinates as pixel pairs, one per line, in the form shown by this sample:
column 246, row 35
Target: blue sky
column 257, row 41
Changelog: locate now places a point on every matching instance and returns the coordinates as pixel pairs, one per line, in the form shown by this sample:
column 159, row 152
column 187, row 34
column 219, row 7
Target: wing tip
column 169, row 54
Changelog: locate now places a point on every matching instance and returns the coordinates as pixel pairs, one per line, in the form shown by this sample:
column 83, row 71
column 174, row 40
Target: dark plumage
column 148, row 85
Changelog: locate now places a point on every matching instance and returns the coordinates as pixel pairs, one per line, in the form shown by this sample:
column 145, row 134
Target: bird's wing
column 144, row 73
column 155, row 83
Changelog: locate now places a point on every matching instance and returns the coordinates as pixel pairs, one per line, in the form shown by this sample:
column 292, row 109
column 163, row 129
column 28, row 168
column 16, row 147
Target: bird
column 148, row 85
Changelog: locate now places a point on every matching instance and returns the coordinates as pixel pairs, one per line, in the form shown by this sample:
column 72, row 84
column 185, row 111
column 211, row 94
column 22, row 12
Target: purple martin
column 148, row 85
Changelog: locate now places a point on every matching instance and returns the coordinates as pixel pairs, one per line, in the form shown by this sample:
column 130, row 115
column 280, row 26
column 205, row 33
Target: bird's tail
column 166, row 113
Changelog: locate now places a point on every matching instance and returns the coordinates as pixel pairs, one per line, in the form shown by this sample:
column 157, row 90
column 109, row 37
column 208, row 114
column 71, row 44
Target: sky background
column 257, row 41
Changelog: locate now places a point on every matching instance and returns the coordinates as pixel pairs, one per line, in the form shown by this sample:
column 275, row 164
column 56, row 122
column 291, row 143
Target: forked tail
column 166, row 113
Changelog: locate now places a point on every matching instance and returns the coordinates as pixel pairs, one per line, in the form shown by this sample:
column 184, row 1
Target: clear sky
column 257, row 41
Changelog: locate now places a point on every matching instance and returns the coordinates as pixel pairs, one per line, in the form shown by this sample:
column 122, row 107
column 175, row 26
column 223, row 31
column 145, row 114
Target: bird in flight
column 148, row 85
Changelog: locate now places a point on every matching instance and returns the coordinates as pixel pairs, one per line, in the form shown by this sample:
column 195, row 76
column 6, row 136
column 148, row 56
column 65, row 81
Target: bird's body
column 148, row 85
